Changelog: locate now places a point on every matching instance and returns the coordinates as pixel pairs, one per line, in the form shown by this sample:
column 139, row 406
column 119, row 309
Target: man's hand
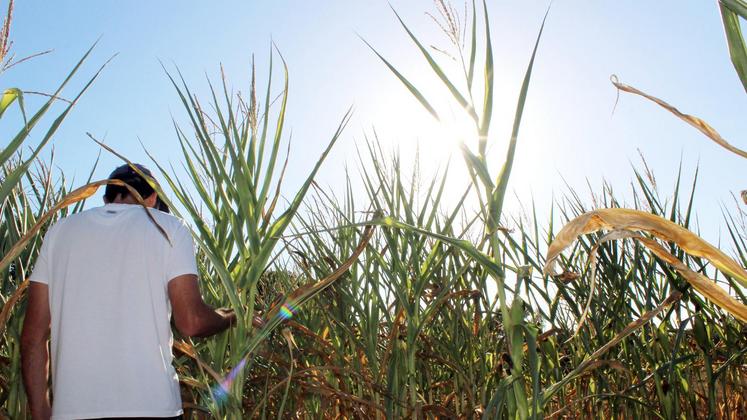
column 228, row 314
column 34, row 351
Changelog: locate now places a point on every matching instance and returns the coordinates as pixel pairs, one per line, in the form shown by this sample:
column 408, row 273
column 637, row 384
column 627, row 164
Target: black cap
column 128, row 175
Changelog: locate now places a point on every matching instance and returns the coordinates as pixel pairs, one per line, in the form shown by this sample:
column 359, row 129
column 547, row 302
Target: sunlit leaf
column 635, row 221
column 10, row 96
column 413, row 90
column 499, row 193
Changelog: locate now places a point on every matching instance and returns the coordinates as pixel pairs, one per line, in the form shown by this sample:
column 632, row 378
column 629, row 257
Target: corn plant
column 513, row 394
column 491, row 192
column 232, row 157
column 351, row 351
column 438, row 313
column 650, row 230
column 410, row 314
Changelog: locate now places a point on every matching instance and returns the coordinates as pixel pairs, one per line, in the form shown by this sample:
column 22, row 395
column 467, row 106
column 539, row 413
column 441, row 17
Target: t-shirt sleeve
column 181, row 258
column 42, row 272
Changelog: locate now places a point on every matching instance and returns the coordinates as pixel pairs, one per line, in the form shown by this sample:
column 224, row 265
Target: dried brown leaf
column 696, row 122
column 636, row 221
column 14, row 298
column 189, row 351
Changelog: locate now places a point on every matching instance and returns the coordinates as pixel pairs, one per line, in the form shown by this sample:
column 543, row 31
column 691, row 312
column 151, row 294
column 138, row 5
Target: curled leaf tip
column 628, row 223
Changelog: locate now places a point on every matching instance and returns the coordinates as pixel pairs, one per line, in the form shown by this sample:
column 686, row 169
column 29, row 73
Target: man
column 105, row 285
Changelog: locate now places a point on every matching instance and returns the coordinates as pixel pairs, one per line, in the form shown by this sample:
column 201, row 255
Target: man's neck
column 129, row 199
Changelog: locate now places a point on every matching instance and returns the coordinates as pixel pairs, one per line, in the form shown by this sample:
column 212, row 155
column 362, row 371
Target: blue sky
column 673, row 50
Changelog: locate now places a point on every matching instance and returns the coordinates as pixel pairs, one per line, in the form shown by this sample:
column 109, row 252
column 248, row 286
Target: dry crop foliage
column 434, row 313
column 450, row 315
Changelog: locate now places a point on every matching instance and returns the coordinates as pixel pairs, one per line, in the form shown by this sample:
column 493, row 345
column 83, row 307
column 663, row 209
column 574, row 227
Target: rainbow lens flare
column 222, row 390
column 287, row 311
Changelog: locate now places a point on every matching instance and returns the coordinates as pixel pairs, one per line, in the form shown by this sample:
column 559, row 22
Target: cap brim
column 160, row 205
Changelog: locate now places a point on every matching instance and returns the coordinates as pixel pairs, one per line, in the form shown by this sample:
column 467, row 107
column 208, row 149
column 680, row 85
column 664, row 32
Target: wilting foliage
column 389, row 301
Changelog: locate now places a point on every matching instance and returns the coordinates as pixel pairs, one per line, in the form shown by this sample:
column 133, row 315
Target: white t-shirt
column 107, row 269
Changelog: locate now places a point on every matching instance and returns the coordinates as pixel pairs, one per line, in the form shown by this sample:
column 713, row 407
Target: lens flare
column 287, row 311
column 222, row 390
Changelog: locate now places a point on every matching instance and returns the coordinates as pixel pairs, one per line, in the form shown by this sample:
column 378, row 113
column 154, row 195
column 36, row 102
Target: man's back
column 107, row 271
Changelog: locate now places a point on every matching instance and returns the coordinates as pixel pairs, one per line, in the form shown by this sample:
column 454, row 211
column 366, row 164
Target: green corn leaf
column 530, row 333
column 439, row 72
column 731, row 10
column 496, row 201
column 282, row 222
column 263, row 195
column 737, row 6
column 413, row 90
column 9, row 96
column 477, row 165
column 473, row 48
column 14, row 177
column 14, row 144
column 487, row 109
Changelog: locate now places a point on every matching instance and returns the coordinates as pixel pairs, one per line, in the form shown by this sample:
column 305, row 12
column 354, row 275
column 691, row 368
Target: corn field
column 388, row 303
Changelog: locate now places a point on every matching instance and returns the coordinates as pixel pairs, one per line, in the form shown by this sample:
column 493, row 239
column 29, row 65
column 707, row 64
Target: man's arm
column 192, row 316
column 34, row 351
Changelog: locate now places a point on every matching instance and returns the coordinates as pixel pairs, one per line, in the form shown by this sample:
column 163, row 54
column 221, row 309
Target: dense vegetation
column 389, row 303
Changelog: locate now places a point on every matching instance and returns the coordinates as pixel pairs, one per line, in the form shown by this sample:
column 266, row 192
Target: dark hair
column 128, row 175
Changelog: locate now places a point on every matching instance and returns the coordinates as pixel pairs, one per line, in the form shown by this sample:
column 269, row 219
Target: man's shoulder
column 77, row 217
column 70, row 219
column 60, row 225
column 169, row 219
